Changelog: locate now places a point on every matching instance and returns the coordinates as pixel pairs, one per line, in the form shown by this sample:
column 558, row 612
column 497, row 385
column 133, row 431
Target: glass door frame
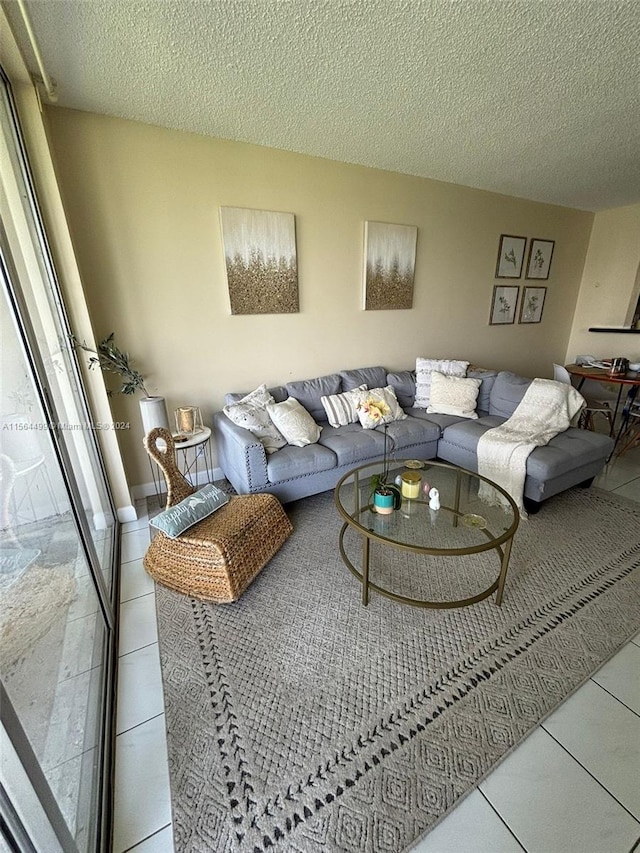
column 108, row 601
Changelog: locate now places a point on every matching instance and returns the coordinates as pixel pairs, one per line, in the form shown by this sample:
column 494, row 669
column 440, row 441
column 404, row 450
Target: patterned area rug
column 299, row 720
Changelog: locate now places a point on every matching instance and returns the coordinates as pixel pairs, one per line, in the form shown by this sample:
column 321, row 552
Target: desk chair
column 629, row 433
column 593, row 406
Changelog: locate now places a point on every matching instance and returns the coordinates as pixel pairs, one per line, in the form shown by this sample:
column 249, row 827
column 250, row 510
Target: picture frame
column 260, row 260
column 532, row 304
column 539, row 261
column 389, row 266
column 510, row 256
column 503, row 304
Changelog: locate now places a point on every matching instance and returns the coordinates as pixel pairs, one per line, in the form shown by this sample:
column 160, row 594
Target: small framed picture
column 540, row 254
column 532, row 304
column 510, row 256
column 503, row 304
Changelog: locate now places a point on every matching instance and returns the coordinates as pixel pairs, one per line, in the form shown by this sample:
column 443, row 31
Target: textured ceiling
column 532, row 98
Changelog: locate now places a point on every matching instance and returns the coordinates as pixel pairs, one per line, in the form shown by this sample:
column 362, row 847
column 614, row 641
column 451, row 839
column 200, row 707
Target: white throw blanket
column 547, row 408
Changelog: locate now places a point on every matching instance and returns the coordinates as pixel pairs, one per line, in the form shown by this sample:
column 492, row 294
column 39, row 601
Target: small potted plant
column 111, row 359
column 385, row 496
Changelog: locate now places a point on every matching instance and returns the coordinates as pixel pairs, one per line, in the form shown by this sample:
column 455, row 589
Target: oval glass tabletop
column 467, row 522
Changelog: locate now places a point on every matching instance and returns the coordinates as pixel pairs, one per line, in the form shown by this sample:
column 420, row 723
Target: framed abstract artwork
column 510, row 256
column 532, row 304
column 389, row 265
column 260, row 260
column 503, row 304
column 540, row 255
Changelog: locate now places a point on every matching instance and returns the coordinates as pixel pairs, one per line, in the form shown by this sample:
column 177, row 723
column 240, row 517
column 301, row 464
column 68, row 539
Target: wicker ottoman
column 217, row 558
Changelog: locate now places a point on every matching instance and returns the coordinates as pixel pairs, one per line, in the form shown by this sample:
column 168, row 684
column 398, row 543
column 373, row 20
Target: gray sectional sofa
column 572, row 458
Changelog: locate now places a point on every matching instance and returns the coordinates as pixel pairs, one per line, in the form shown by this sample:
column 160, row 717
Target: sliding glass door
column 58, row 551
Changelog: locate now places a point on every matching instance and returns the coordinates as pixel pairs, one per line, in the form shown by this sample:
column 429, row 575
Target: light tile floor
column 573, row 786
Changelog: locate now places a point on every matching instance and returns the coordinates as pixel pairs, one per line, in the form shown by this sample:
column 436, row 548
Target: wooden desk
column 631, row 379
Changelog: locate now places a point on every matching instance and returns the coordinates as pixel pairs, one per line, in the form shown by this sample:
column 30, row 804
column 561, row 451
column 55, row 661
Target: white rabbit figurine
column 434, row 499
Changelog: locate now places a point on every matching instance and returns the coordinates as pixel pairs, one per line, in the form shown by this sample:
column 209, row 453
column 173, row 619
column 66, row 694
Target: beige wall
column 610, row 286
column 143, row 206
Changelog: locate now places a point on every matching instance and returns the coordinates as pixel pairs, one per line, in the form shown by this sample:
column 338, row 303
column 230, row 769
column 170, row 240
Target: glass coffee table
column 425, row 557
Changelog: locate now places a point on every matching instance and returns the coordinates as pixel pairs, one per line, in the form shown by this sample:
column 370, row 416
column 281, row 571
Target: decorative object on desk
column 261, row 261
column 532, row 304
column 111, row 359
column 426, row 488
column 540, row 254
column 619, row 366
column 434, row 499
column 510, row 256
column 188, row 420
column 389, row 265
column 386, row 496
column 503, row 305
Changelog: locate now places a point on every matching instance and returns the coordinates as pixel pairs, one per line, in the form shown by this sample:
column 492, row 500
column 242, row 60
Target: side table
column 190, row 463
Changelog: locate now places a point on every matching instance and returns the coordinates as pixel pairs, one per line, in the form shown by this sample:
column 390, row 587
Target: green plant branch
column 109, row 358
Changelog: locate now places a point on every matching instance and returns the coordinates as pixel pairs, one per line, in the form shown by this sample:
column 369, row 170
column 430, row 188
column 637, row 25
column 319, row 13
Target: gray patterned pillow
column 251, row 413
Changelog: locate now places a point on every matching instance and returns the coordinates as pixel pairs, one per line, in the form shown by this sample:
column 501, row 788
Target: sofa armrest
column 241, row 455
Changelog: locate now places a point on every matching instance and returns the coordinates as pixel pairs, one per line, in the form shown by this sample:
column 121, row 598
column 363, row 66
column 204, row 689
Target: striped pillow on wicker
column 341, row 409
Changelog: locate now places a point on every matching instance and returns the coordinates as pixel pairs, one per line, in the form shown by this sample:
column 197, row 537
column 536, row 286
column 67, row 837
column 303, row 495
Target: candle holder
column 188, row 420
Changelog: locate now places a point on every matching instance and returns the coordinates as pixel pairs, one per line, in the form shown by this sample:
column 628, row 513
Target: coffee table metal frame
column 501, row 544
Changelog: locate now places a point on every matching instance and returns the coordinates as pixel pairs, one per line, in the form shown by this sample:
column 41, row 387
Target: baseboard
column 127, row 513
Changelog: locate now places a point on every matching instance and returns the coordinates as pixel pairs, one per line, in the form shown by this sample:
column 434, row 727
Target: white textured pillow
column 379, row 406
column 294, row 422
column 424, row 369
column 452, row 395
column 341, row 409
column 251, row 413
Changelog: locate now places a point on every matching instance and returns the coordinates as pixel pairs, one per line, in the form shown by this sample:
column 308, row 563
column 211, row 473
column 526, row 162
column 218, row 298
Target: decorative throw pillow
column 294, row 422
column 342, row 409
column 379, row 406
column 190, row 511
column 424, row 369
column 251, row 413
column 452, row 395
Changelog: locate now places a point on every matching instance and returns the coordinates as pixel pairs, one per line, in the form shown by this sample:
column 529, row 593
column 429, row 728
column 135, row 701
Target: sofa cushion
column 379, row 406
column 292, row 461
column 424, row 370
column 404, row 384
column 570, row 449
column 441, row 421
column 341, row 409
column 294, row 422
column 309, row 392
column 372, row 377
column 453, row 395
column 488, row 377
column 507, row 393
column 352, row 444
column 411, row 431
